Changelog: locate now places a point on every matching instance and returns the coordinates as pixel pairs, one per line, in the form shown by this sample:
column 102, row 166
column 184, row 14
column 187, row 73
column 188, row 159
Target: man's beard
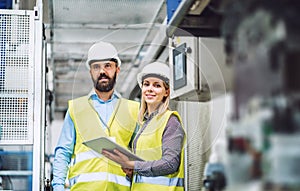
column 105, row 87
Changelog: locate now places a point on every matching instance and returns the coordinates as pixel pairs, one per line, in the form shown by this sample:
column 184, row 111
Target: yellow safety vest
column 88, row 169
column 149, row 147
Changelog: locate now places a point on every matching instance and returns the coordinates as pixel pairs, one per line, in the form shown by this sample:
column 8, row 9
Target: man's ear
column 118, row 70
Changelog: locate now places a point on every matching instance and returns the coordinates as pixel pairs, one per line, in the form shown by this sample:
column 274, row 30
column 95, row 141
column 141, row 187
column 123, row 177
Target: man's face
column 104, row 74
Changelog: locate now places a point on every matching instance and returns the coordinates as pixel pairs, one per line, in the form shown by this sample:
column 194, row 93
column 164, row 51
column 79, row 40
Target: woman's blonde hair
column 161, row 108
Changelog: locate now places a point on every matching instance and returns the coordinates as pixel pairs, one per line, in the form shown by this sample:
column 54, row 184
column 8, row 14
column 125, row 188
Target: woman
column 159, row 140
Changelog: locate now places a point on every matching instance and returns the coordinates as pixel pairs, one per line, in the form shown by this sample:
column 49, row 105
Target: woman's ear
column 167, row 92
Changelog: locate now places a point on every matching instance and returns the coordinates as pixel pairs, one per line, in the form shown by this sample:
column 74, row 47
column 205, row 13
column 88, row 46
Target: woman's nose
column 150, row 88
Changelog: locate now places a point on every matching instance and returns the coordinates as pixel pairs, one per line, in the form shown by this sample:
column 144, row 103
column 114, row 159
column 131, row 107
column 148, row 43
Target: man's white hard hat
column 154, row 69
column 101, row 51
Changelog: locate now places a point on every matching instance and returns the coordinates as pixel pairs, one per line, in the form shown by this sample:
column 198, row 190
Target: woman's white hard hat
column 101, row 51
column 154, row 69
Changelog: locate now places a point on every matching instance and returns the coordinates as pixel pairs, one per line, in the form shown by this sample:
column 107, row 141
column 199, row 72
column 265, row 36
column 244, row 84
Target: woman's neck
column 152, row 108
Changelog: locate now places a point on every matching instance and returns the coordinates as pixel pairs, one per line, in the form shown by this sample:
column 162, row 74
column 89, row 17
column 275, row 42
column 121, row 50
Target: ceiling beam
column 102, row 26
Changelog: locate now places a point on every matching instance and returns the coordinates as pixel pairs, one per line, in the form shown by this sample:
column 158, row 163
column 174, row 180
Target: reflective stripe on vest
column 160, row 180
column 99, row 176
column 91, row 154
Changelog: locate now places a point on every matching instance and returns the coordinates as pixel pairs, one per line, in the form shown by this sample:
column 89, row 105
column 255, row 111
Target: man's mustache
column 103, row 76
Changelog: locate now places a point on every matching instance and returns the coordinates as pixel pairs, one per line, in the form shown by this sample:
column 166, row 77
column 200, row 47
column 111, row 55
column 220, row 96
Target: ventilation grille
column 16, row 77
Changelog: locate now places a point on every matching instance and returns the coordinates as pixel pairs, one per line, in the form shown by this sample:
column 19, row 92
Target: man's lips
column 103, row 79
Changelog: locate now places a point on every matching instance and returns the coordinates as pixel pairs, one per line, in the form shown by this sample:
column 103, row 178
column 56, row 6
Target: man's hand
column 128, row 172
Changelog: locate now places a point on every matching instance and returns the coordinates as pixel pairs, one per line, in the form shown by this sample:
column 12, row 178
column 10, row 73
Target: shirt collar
column 148, row 117
column 115, row 95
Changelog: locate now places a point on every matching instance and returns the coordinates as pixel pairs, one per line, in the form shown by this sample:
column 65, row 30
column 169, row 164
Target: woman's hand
column 119, row 158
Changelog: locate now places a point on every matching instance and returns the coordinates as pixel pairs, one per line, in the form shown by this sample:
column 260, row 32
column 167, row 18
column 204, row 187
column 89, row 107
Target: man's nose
column 101, row 70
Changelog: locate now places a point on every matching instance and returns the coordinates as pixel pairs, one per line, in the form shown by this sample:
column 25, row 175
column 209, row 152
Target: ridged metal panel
column 197, row 120
column 16, row 77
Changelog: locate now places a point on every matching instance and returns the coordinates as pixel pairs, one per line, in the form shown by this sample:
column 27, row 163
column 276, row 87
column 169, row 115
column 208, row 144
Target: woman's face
column 153, row 91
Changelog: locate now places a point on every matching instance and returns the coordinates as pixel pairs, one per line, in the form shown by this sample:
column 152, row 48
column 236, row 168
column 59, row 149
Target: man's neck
column 104, row 95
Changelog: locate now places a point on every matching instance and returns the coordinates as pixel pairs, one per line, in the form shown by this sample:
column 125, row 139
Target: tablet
column 105, row 143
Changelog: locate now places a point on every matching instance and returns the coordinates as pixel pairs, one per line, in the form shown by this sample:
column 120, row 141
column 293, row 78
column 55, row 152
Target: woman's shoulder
column 174, row 120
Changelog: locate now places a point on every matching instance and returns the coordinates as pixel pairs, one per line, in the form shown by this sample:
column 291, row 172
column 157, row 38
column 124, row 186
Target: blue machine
column 5, row 4
column 15, row 161
column 171, row 8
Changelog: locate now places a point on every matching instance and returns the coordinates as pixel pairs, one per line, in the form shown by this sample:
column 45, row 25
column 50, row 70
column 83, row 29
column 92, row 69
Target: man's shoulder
column 130, row 101
column 82, row 98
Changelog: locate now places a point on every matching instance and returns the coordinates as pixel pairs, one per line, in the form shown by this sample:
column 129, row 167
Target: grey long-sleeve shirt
column 172, row 142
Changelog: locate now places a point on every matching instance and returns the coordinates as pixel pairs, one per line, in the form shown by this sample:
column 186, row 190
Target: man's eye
column 96, row 66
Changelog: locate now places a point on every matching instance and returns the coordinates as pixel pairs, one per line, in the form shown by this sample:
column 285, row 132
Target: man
column 101, row 113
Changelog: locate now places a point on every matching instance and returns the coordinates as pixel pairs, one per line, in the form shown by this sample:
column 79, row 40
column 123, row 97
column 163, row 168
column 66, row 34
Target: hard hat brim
column 115, row 59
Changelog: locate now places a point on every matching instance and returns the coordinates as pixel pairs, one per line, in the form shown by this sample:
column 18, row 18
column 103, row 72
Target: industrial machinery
column 263, row 44
column 199, row 69
column 200, row 82
column 22, row 115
